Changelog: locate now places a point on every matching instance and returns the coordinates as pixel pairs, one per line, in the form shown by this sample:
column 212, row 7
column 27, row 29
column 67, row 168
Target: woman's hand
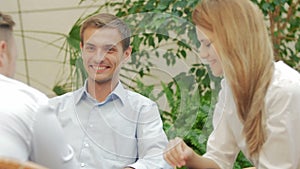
column 178, row 153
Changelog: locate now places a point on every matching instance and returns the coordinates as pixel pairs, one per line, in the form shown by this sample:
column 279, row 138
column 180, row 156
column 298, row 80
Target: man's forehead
column 104, row 36
column 102, row 43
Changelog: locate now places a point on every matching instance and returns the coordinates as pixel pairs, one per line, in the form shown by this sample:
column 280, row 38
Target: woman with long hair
column 260, row 111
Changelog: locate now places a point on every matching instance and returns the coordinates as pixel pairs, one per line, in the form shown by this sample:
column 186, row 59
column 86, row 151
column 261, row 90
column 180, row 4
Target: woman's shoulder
column 285, row 79
column 284, row 88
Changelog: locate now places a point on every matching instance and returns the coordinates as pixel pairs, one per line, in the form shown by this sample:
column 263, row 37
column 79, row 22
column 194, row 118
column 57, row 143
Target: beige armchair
column 6, row 163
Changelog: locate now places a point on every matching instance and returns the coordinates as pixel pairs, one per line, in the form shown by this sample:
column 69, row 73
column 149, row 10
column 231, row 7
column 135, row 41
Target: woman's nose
column 203, row 52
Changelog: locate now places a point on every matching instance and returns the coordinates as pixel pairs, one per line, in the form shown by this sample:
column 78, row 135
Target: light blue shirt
column 124, row 130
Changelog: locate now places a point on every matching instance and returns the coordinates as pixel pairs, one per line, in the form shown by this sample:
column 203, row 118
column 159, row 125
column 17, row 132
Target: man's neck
column 100, row 91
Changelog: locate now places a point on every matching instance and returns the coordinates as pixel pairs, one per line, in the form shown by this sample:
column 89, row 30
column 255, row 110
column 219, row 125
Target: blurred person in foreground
column 258, row 109
column 26, row 134
column 109, row 126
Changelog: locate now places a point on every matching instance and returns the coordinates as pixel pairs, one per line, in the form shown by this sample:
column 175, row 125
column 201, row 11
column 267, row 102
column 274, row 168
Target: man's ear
column 127, row 53
column 81, row 45
column 3, row 46
column 3, row 51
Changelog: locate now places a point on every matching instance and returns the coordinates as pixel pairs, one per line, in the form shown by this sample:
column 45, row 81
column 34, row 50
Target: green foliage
column 284, row 19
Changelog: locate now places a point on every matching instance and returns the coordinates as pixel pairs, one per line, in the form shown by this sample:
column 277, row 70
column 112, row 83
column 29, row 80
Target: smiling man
column 109, row 126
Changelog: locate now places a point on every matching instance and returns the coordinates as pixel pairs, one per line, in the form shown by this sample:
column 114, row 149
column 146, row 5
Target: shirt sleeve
column 152, row 140
column 17, row 114
column 282, row 146
column 49, row 145
column 15, row 136
column 221, row 145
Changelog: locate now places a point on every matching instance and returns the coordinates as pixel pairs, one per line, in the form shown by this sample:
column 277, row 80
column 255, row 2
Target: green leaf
column 297, row 46
column 151, row 41
column 266, row 6
column 183, row 53
column 74, row 38
column 150, row 5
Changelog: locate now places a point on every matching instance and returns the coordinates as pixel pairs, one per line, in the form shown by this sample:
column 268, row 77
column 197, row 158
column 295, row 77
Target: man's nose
column 100, row 54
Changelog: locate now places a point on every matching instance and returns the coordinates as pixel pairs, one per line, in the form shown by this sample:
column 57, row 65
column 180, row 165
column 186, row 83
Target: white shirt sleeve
column 221, row 145
column 15, row 137
column 17, row 114
column 49, row 146
column 281, row 148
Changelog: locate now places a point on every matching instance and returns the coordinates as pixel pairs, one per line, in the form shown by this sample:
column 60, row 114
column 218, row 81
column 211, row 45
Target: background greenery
column 163, row 29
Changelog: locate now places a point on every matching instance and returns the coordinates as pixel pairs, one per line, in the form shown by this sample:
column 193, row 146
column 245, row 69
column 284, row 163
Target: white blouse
column 281, row 149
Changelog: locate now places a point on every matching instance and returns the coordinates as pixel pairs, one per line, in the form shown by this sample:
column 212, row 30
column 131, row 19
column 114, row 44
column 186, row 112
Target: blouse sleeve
column 282, row 145
column 221, row 144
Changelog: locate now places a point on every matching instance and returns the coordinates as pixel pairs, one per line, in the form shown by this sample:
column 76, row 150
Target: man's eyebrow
column 110, row 46
column 90, row 44
column 106, row 46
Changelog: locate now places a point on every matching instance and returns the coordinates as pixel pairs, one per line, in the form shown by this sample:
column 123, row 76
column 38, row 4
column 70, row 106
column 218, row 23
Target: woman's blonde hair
column 246, row 54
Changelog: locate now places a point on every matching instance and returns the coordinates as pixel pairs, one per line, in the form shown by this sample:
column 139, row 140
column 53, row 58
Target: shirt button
column 86, row 145
column 91, row 126
column 82, row 164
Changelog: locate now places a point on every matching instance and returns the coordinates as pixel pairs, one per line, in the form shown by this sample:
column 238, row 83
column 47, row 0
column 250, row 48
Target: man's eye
column 90, row 48
column 110, row 50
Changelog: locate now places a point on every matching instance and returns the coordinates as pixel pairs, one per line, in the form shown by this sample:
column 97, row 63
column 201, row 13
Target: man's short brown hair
column 6, row 26
column 108, row 21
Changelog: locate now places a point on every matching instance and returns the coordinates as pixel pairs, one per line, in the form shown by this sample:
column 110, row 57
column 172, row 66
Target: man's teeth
column 100, row 68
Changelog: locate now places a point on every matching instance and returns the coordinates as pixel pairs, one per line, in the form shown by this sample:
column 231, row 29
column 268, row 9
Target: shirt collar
column 118, row 93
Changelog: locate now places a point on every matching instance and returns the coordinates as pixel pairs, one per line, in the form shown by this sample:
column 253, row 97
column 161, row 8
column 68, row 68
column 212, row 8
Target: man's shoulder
column 137, row 97
column 17, row 89
column 19, row 101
